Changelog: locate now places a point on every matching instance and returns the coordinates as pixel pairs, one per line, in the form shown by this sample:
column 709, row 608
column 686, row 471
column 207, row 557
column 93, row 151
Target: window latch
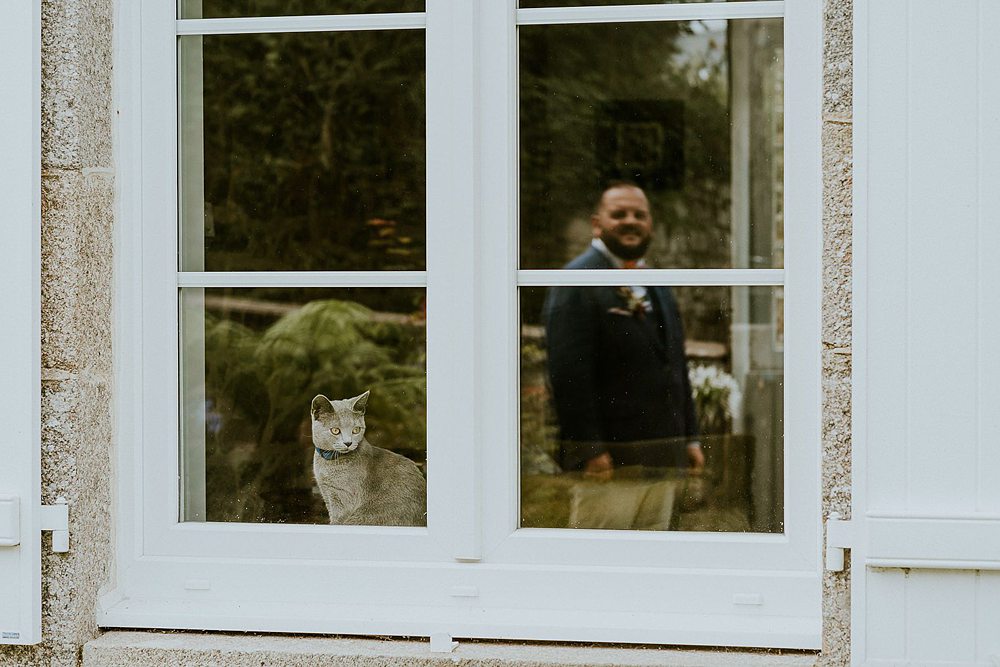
column 10, row 521
column 839, row 536
column 55, row 518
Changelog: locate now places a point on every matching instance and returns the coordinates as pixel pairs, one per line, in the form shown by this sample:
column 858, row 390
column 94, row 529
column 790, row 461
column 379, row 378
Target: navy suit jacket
column 619, row 382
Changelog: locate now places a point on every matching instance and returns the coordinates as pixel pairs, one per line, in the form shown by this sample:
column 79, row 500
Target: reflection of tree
column 567, row 74
column 261, row 384
column 309, row 137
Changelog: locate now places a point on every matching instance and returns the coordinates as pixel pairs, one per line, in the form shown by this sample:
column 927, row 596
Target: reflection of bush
column 307, row 137
column 539, row 428
column 259, row 460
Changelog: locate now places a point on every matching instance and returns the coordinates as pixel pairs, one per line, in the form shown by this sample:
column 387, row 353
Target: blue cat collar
column 327, row 454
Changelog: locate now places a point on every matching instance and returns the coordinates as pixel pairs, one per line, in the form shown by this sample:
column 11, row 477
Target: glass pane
column 258, row 442
column 210, row 9
column 303, row 152
column 652, row 408
column 689, row 111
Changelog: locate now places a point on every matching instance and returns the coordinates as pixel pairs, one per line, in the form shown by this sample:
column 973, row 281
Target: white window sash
column 320, row 578
column 797, row 549
column 20, row 339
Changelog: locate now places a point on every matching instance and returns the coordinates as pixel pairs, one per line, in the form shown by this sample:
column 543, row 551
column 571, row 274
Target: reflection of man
column 616, row 354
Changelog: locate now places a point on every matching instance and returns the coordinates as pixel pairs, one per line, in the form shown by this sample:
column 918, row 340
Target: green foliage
column 336, row 348
column 260, row 386
column 232, row 370
column 313, row 150
column 539, row 428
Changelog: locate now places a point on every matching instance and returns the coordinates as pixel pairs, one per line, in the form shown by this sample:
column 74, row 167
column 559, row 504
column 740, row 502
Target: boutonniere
column 635, row 306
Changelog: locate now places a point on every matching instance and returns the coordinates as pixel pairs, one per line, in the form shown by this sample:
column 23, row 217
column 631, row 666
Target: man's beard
column 625, row 252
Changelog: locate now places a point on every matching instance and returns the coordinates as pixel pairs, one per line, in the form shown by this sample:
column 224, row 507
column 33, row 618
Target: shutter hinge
column 839, row 536
column 55, row 518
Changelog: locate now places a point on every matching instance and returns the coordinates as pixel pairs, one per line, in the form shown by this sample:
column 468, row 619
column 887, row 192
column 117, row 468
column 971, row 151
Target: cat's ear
column 361, row 402
column 320, row 405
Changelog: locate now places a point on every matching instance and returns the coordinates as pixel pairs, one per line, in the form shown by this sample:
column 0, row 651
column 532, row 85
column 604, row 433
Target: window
column 383, row 200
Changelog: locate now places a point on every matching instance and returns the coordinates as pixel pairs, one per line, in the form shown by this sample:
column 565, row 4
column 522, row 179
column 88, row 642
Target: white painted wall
column 927, row 332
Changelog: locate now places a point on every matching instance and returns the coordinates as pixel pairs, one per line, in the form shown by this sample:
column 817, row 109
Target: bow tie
column 630, row 264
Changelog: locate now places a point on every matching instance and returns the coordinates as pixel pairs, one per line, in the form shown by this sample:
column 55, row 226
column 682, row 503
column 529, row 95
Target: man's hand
column 696, row 457
column 601, row 467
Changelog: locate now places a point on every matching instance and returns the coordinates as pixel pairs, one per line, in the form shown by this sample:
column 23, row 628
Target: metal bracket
column 839, row 536
column 55, row 518
column 441, row 642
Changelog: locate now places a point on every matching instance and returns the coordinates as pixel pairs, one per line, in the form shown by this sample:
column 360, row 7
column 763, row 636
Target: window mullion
column 301, row 279
column 497, row 262
column 672, row 277
column 661, row 12
column 453, row 484
column 323, row 23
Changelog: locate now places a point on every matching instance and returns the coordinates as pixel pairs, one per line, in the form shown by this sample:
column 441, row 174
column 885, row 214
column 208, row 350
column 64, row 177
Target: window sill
column 139, row 649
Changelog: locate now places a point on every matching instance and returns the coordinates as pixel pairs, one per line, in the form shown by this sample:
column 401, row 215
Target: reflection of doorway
column 641, row 141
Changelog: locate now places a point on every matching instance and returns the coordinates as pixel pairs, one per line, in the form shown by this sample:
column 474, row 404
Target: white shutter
column 20, row 560
column 926, row 528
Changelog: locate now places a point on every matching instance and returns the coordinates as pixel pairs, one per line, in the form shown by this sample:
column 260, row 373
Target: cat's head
column 338, row 426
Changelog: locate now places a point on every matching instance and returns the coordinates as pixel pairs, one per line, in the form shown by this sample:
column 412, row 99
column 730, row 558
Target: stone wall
column 77, row 316
column 837, row 207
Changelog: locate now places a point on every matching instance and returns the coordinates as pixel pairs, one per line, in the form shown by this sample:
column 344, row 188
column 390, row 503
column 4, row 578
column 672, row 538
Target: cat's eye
column 335, row 431
column 357, row 429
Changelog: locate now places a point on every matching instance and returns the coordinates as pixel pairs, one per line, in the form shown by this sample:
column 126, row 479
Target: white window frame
column 20, row 330
column 471, row 571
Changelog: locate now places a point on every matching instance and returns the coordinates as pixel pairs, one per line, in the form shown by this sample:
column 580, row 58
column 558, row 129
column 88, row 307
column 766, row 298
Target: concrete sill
column 188, row 649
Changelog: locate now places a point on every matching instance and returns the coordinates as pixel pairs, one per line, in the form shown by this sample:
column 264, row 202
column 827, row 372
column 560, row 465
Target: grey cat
column 362, row 485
